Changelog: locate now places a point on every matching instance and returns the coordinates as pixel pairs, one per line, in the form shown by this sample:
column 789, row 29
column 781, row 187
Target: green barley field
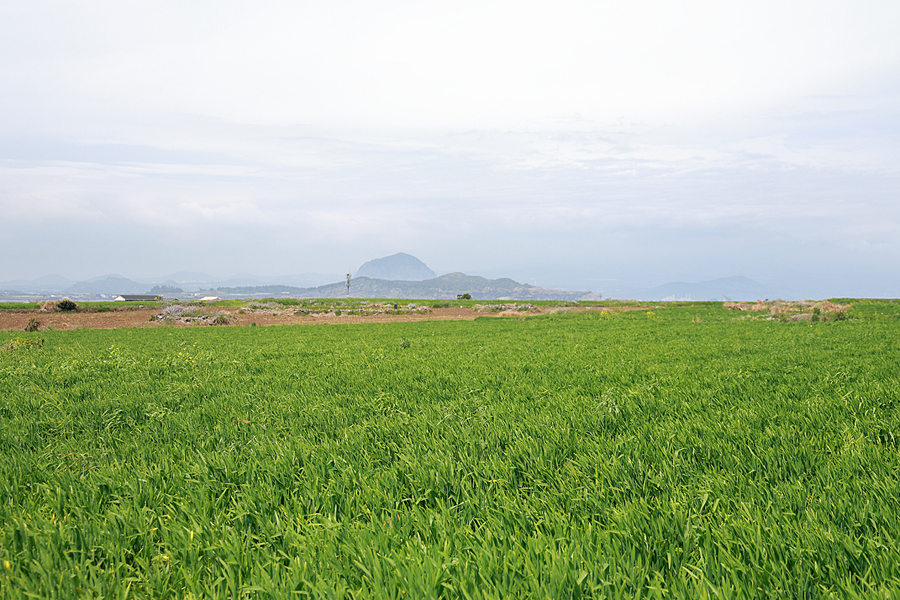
column 679, row 452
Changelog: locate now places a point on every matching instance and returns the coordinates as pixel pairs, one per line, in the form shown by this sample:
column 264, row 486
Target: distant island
column 400, row 275
column 398, row 267
column 446, row 287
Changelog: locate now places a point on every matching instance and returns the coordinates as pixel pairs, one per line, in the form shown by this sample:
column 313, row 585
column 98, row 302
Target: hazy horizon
column 582, row 146
column 734, row 287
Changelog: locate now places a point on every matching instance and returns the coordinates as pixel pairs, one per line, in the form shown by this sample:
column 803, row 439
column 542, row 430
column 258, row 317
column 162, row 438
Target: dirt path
column 16, row 320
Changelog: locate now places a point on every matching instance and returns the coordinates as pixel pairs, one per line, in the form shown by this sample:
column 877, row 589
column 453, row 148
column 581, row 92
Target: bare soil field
column 16, row 320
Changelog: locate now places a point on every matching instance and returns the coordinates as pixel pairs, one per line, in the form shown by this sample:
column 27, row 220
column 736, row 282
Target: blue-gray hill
column 398, row 267
column 445, row 287
column 111, row 285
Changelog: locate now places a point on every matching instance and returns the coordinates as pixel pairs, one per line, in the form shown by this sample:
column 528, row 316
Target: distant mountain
column 202, row 281
column 47, row 283
column 399, row 267
column 726, row 288
column 185, row 277
column 110, row 285
column 445, row 287
column 187, row 281
column 57, row 281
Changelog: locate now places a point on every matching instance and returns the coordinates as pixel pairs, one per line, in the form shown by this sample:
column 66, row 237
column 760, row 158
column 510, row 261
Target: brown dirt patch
column 15, row 320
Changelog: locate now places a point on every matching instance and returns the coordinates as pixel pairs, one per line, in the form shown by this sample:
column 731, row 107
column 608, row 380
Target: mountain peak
column 398, row 267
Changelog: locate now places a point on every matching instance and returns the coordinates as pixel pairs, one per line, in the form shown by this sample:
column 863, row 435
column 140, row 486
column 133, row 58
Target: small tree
column 465, row 296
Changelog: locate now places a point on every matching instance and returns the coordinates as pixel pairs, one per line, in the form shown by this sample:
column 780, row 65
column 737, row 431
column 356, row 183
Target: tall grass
column 577, row 455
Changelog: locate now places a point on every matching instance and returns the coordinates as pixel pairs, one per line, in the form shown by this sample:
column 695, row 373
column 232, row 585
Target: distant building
column 137, row 298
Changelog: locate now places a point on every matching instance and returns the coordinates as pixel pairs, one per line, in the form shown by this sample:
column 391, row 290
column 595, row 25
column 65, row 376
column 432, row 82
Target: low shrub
column 32, row 325
column 66, row 305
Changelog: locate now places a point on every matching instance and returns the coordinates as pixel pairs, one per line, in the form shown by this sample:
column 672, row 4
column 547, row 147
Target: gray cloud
column 141, row 144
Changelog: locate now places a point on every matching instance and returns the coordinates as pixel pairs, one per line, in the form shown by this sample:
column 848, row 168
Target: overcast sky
column 584, row 145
